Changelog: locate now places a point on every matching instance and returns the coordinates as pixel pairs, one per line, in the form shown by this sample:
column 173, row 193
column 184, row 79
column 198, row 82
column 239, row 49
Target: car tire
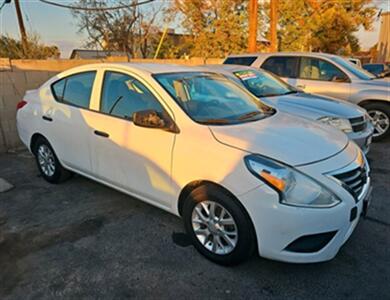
column 382, row 110
column 234, row 243
column 48, row 163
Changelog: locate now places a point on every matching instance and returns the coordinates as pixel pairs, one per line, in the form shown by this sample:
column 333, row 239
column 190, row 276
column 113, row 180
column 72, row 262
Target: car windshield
column 262, row 84
column 212, row 99
column 377, row 69
column 354, row 69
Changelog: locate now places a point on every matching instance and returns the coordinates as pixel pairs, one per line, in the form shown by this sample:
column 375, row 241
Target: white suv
column 242, row 175
column 330, row 75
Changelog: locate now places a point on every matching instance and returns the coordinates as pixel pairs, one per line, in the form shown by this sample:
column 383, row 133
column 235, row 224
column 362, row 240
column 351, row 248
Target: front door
column 318, row 76
column 135, row 159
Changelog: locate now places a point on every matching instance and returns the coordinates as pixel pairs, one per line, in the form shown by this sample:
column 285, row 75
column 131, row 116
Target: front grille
column 358, row 124
column 354, row 180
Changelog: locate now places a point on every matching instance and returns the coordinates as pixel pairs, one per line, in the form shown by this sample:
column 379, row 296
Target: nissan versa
column 244, row 177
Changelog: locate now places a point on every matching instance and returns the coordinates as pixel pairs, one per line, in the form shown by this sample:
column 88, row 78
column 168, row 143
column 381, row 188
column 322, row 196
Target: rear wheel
column 218, row 226
column 380, row 118
column 48, row 163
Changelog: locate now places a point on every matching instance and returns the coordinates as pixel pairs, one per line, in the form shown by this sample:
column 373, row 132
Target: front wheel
column 218, row 226
column 380, row 118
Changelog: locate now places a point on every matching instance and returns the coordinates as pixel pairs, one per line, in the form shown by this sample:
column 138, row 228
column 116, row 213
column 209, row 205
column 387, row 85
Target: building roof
column 94, row 54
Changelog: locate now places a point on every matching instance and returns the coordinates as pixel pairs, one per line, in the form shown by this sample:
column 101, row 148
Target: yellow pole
column 161, row 41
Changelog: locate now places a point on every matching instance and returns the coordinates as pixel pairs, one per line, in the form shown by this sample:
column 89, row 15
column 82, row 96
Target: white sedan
column 242, row 175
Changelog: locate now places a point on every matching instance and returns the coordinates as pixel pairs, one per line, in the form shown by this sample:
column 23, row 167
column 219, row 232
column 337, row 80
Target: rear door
column 319, row 76
column 64, row 121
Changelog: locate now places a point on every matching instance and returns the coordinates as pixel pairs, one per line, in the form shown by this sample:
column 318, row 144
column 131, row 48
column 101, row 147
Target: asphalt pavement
column 82, row 239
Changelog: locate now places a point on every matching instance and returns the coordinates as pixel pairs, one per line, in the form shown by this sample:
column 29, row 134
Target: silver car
column 348, row 117
column 329, row 75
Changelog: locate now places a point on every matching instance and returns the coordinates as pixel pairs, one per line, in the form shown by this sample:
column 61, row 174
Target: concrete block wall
column 12, row 88
column 17, row 76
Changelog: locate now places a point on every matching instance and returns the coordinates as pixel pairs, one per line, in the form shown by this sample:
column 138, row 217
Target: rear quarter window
column 243, row 61
column 58, row 89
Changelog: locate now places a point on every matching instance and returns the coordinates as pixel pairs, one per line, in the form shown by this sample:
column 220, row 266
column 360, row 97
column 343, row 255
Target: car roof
column 313, row 54
column 156, row 68
column 374, row 64
column 151, row 68
column 226, row 68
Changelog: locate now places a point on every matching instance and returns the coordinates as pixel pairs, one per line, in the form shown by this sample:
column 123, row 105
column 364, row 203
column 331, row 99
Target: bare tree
column 130, row 29
column 111, row 30
column 148, row 33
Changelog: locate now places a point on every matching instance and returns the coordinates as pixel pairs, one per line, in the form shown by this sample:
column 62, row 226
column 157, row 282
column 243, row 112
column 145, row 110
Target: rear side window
column 75, row 89
column 283, row 66
column 244, row 61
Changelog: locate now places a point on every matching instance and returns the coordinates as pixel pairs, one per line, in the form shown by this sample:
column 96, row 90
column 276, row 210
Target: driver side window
column 318, row 69
column 123, row 95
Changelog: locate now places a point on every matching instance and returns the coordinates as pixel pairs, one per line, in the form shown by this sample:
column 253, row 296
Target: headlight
column 294, row 187
column 341, row 124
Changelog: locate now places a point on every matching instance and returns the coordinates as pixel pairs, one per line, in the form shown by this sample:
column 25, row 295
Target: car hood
column 381, row 83
column 292, row 140
column 314, row 106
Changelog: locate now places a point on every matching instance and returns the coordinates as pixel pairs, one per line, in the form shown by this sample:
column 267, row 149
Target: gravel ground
column 82, row 239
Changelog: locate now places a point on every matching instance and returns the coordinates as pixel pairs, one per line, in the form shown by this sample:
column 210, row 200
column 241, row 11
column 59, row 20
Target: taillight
column 20, row 104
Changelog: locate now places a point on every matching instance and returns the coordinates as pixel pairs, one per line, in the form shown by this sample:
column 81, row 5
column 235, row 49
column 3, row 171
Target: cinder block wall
column 17, row 76
column 13, row 86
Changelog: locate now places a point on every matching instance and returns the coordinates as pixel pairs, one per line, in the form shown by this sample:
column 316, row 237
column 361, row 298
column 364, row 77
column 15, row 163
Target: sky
column 57, row 26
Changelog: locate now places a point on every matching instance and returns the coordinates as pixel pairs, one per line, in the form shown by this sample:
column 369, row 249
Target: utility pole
column 274, row 23
column 21, row 27
column 252, row 12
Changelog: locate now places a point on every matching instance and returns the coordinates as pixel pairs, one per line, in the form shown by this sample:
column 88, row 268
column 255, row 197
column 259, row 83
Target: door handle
column 101, row 133
column 46, row 118
column 301, row 86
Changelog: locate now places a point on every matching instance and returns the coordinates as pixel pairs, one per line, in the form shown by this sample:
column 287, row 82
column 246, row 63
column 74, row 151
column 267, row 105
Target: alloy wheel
column 46, row 160
column 214, row 227
column 380, row 120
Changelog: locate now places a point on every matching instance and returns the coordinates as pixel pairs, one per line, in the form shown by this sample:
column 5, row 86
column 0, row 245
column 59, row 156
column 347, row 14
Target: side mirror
column 337, row 78
column 152, row 119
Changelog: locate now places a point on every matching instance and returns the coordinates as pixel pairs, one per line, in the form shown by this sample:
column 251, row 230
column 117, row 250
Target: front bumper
column 278, row 226
column 363, row 138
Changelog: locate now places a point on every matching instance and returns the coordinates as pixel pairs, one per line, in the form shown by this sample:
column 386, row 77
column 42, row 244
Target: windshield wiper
column 214, row 121
column 249, row 115
column 276, row 94
column 290, row 92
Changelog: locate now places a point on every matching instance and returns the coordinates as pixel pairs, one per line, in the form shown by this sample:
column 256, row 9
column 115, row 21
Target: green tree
column 12, row 48
column 322, row 25
column 215, row 28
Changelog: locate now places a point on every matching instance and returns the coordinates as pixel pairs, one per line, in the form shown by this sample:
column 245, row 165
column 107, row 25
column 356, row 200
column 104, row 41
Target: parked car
column 355, row 61
column 242, row 175
column 379, row 70
column 328, row 75
column 347, row 117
